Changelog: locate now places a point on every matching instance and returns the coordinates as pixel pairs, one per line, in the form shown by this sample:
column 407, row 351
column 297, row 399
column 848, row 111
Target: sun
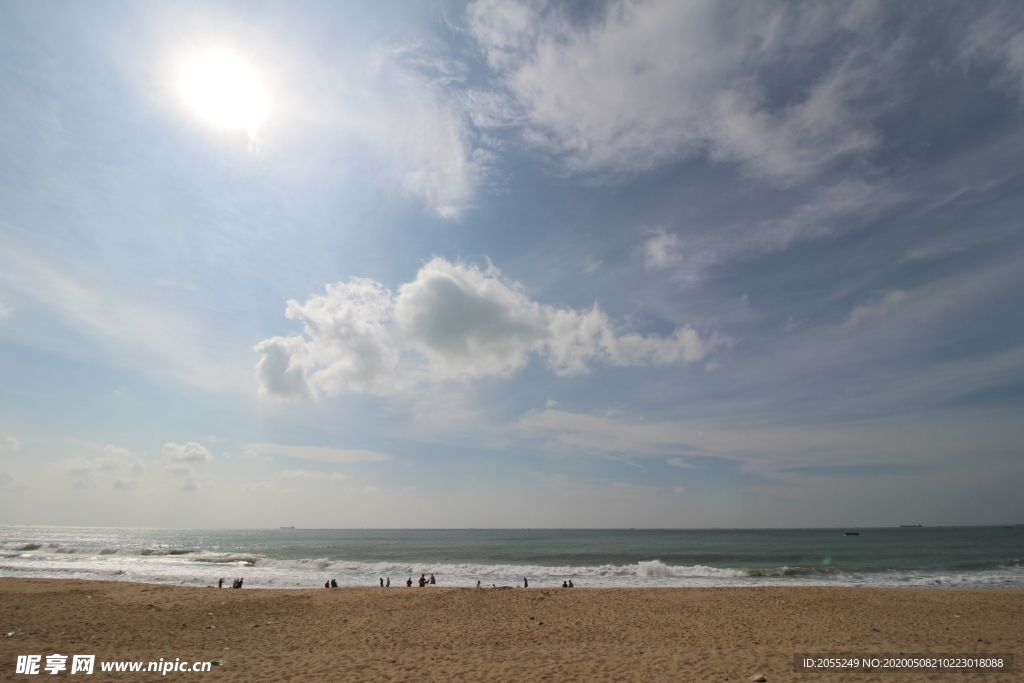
column 224, row 90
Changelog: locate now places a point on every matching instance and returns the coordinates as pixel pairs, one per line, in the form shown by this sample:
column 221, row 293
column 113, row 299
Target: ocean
column 924, row 557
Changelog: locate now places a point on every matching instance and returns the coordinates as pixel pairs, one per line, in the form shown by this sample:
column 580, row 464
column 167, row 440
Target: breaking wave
column 192, row 559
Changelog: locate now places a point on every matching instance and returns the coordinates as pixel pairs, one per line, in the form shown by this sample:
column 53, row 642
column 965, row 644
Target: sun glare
column 223, row 89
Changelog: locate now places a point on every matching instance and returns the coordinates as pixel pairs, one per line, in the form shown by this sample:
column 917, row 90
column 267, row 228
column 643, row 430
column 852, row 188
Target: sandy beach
column 512, row 634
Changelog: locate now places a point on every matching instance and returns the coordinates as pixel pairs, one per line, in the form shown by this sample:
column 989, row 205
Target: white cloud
column 189, row 452
column 317, row 453
column 662, row 250
column 454, row 322
column 468, row 322
column 280, row 370
column 10, row 445
column 656, row 81
column 876, row 310
column 259, row 486
column 5, row 311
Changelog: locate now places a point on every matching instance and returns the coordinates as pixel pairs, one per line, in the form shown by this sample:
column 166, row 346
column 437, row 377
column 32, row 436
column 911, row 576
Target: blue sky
column 498, row 264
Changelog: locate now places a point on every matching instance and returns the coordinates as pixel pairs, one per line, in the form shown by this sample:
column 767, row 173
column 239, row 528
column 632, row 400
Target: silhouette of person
column 388, row 585
column 526, row 584
column 382, row 582
column 334, row 584
column 408, row 584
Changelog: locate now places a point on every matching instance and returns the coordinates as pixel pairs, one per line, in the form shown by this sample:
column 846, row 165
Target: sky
column 680, row 264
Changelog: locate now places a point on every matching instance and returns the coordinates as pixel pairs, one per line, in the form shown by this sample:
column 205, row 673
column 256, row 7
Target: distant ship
column 851, row 533
column 288, row 527
column 910, row 526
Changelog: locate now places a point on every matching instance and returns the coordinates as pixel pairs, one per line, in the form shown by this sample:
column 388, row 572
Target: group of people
column 237, row 583
column 423, row 581
column 526, row 583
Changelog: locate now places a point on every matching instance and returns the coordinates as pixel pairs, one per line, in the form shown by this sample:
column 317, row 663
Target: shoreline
column 487, row 634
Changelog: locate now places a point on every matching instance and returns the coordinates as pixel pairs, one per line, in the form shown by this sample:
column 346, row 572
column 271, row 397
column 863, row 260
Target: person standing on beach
column 526, row 584
column 423, row 580
column 432, row 582
column 382, row 582
column 220, row 584
column 388, row 585
column 408, row 584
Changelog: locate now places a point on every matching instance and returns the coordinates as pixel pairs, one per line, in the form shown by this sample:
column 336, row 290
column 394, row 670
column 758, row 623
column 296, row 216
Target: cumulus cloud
column 876, row 310
column 650, row 82
column 190, row 452
column 468, row 322
column 280, row 369
column 453, row 322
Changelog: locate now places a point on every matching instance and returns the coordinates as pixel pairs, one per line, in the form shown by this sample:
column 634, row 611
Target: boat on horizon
column 288, row 527
column 910, row 526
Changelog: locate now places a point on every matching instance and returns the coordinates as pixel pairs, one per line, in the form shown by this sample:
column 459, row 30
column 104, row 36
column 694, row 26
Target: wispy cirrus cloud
column 641, row 84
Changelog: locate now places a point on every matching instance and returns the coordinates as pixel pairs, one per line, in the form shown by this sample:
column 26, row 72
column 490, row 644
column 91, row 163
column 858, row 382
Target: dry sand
column 468, row 634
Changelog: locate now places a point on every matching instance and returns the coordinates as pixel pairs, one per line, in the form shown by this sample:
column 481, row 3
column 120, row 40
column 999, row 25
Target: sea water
column 949, row 557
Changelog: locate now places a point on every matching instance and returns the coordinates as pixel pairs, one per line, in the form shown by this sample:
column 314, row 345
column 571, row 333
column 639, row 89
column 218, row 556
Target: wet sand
column 514, row 634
